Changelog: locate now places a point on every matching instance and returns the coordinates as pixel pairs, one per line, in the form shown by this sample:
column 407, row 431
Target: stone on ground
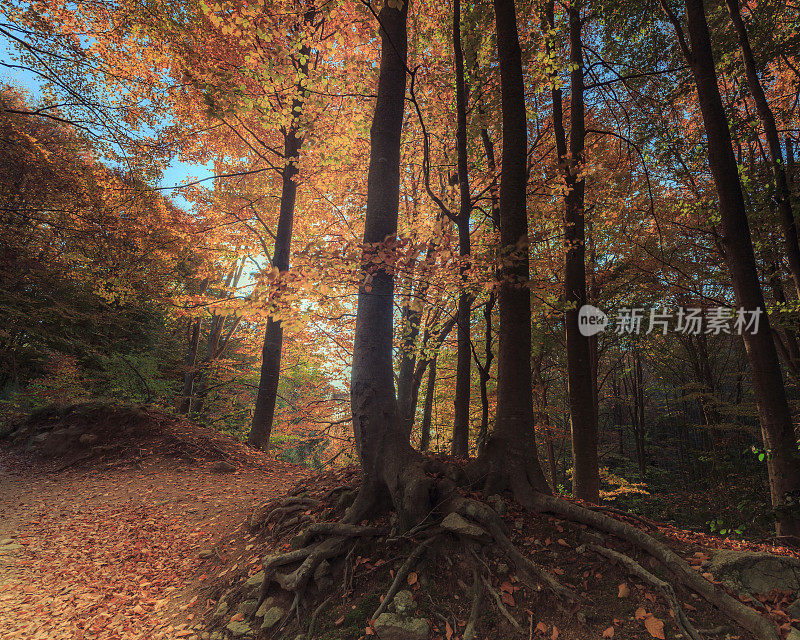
column 390, row 626
column 458, row 525
column 755, row 572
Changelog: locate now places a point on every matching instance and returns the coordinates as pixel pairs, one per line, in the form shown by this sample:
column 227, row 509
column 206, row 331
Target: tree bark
column 511, row 451
column 768, row 386
column 266, row 398
column 463, row 356
column 782, row 194
column 190, row 363
column 583, row 418
column 384, row 451
column 427, row 414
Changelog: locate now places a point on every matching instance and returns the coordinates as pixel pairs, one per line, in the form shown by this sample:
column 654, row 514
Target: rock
column 221, row 611
column 205, row 553
column 390, row 626
column 794, row 634
column 519, row 524
column 323, row 576
column 271, row 618
column 216, row 635
column 88, row 439
column 755, row 572
column 403, row 603
column 255, row 580
column 502, row 567
column 223, row 466
column 345, row 499
column 794, row 609
column 5, row 541
column 247, row 607
column 205, row 635
column 498, row 504
column 238, row 628
column 458, row 525
column 265, row 606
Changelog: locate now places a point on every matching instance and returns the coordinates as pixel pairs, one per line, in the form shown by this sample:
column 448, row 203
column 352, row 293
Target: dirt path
column 113, row 553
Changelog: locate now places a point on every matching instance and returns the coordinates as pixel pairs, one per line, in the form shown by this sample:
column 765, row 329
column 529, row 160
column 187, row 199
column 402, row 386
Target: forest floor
column 152, row 541
column 112, row 552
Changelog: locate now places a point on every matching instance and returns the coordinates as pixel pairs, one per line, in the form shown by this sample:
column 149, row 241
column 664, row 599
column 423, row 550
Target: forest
column 484, row 316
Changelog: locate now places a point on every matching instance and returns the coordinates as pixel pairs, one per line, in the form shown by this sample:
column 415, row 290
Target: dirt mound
column 88, row 431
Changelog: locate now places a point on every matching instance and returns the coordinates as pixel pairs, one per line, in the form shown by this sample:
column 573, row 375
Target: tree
column 775, row 416
column 582, row 388
column 273, row 338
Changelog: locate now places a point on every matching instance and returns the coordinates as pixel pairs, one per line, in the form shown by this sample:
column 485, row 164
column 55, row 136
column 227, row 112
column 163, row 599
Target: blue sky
column 176, row 173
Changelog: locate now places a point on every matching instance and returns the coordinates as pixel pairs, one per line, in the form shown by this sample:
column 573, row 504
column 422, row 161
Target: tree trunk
column 511, row 451
column 464, row 355
column 583, row 418
column 427, row 415
column 190, row 372
column 264, row 411
column 384, row 451
column 782, row 194
column 768, row 386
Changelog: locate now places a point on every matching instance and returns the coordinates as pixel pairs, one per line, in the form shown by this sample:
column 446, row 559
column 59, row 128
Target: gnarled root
column 739, row 613
column 637, row 570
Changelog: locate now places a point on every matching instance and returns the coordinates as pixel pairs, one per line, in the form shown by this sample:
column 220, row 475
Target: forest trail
column 114, row 553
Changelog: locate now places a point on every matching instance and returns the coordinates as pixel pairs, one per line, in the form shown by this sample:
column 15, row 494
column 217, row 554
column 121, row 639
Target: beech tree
column 774, row 413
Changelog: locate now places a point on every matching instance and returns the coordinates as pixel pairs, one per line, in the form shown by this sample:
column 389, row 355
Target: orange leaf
column 339, row 621
column 640, row 614
column 448, row 630
column 412, row 578
column 554, row 635
column 507, row 587
column 509, row 599
column 655, row 627
column 608, row 633
column 624, row 590
column 541, row 627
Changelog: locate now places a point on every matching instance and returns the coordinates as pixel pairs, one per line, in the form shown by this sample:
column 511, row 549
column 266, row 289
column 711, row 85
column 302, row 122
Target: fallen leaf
column 655, row 627
column 412, row 578
column 541, row 627
column 608, row 633
column 624, row 590
column 508, row 599
column 448, row 630
column 640, row 614
column 507, row 587
column 554, row 635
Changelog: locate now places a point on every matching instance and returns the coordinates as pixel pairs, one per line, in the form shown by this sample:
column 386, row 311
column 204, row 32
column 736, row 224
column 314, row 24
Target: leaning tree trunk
column 782, row 193
column 511, row 450
column 583, row 417
column 464, row 355
column 768, row 386
column 264, row 411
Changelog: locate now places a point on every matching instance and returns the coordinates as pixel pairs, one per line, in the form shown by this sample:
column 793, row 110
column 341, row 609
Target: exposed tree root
column 498, row 600
column 477, row 602
column 424, row 495
column 637, row 570
column 741, row 614
column 402, row 574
